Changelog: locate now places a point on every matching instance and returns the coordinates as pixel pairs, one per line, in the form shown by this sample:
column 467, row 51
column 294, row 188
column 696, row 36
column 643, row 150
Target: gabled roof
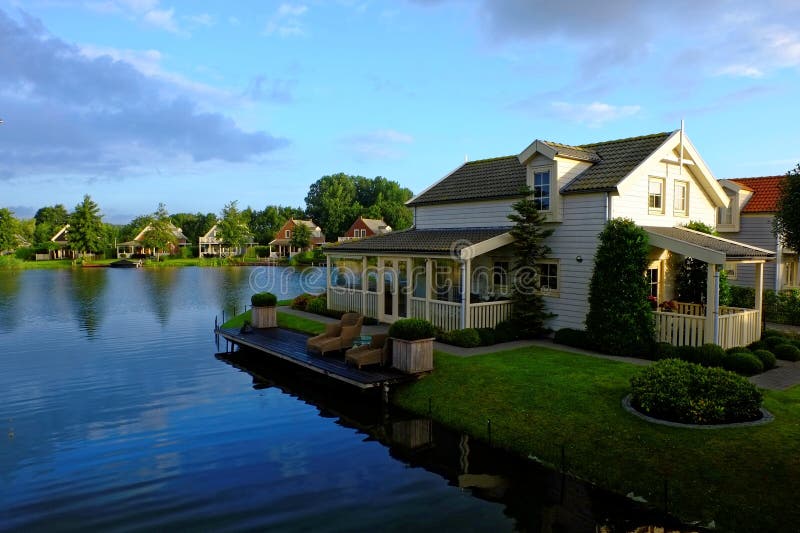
column 441, row 242
column 766, row 192
column 61, row 235
column 617, row 159
column 377, row 226
column 708, row 248
column 176, row 231
column 504, row 177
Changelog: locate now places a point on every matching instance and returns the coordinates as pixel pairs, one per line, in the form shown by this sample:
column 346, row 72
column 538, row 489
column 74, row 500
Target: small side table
column 362, row 340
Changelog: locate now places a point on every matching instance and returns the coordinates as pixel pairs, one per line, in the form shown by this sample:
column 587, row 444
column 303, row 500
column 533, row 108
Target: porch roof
column 704, row 247
column 459, row 243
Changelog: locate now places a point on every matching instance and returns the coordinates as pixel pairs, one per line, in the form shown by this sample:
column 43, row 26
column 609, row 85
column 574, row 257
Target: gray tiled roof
column 504, row 177
column 423, row 241
column 500, row 177
column 618, row 159
column 731, row 249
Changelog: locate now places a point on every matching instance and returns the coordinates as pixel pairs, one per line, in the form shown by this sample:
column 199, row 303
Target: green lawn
column 285, row 320
column 540, row 399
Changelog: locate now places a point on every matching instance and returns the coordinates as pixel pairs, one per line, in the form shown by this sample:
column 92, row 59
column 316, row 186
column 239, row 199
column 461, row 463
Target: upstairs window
column 541, row 190
column 288, row 234
column 680, row 205
column 725, row 214
column 655, row 195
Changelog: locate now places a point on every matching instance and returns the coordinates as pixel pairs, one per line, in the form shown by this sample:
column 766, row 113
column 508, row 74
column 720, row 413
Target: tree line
column 333, row 203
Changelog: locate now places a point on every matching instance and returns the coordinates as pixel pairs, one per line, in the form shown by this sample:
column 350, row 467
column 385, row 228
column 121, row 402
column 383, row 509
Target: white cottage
column 453, row 266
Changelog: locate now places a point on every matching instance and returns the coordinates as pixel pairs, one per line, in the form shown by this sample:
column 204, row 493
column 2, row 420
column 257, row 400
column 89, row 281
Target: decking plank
column 291, row 346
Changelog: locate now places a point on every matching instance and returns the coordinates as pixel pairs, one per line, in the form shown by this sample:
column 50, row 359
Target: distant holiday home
column 282, row 246
column 62, row 248
column 366, row 227
column 136, row 247
column 454, row 265
column 210, row 245
column 748, row 218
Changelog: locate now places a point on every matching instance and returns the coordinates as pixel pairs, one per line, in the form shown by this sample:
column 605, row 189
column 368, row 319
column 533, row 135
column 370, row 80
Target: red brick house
column 281, row 245
column 366, row 227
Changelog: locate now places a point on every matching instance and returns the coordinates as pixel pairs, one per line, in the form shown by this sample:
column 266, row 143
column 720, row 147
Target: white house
column 211, row 246
column 136, row 247
column 453, row 266
column 748, row 218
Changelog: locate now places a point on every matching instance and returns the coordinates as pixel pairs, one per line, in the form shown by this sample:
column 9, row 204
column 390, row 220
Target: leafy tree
column 301, row 236
column 129, row 231
column 331, row 203
column 265, row 223
column 232, row 228
column 194, row 225
column 86, row 227
column 692, row 278
column 49, row 220
column 620, row 320
column 8, row 230
column 528, row 313
column 161, row 234
column 786, row 222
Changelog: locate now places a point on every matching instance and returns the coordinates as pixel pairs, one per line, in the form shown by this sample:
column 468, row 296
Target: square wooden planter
column 264, row 317
column 412, row 357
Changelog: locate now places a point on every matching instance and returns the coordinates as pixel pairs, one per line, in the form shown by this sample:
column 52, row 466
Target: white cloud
column 148, row 12
column 203, row 19
column 594, row 114
column 378, row 144
column 287, row 21
column 740, row 71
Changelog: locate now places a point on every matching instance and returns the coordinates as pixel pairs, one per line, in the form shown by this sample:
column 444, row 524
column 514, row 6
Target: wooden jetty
column 291, row 346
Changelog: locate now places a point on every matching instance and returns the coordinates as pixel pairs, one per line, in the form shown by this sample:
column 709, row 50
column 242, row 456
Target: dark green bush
column 757, row 345
column 488, row 336
column 317, row 305
column 301, row 302
column 772, row 333
column 259, row 251
column 466, row 338
column 505, row 332
column 688, row 353
column 710, row 355
column 766, row 357
column 773, row 341
column 738, row 349
column 576, row 338
column 684, row 392
column 25, row 254
column 743, row 363
column 743, row 297
column 412, row 329
column 787, row 352
column 665, row 350
column 263, row 299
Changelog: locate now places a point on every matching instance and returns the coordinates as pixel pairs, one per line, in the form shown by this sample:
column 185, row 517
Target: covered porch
column 453, row 278
column 695, row 324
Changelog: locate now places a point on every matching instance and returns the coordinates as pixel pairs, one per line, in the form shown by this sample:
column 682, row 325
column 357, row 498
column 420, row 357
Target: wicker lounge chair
column 376, row 352
column 337, row 337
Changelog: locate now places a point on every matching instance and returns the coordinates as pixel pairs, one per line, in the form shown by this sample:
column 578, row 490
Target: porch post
column 463, row 294
column 711, row 305
column 328, row 278
column 467, row 290
column 428, row 287
column 759, row 295
column 364, row 286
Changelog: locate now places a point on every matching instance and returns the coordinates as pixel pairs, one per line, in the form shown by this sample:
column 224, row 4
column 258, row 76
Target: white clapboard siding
column 483, row 214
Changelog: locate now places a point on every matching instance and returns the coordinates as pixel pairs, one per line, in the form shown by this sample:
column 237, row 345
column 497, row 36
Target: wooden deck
column 291, row 346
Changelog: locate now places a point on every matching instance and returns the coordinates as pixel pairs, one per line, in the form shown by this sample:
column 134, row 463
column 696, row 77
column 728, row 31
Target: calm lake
column 115, row 414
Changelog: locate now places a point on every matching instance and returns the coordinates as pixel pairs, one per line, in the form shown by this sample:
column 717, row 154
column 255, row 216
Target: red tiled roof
column 766, row 191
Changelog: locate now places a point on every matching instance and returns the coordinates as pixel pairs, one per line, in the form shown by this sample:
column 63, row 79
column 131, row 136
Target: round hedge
column 263, row 299
column 766, row 357
column 679, row 391
column 743, row 363
column 787, row 352
column 317, row 305
column 412, row 329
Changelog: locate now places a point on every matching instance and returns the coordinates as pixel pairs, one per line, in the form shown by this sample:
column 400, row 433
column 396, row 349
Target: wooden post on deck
column 466, row 290
column 760, row 294
column 364, row 286
column 328, row 278
column 711, row 305
column 428, row 287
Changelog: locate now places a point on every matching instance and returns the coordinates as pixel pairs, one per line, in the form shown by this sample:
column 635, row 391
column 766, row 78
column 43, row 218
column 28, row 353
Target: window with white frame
column 730, row 270
column 680, row 204
column 288, row 234
column 361, row 233
column 541, row 189
column 725, row 214
column 548, row 277
column 653, row 280
column 655, row 196
column 500, row 271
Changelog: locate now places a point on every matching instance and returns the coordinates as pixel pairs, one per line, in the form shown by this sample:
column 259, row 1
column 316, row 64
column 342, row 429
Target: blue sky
column 198, row 103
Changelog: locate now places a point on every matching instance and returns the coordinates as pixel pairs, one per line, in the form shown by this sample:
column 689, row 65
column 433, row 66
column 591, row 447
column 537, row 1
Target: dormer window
column 541, row 189
column 655, row 196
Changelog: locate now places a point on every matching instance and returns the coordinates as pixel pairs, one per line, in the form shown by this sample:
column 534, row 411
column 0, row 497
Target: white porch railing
column 342, row 299
column 680, row 329
column 417, row 307
column 739, row 327
column 489, row 314
column 371, row 309
column 445, row 315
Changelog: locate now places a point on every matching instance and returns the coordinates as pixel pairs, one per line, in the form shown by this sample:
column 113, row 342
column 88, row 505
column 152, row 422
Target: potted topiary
column 412, row 345
column 264, row 315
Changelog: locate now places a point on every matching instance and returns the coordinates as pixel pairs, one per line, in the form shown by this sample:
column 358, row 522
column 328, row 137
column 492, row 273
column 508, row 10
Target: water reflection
column 536, row 498
column 9, row 287
column 87, row 288
column 159, row 285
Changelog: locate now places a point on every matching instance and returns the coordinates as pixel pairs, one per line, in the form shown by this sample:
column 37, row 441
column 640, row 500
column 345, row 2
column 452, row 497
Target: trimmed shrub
column 743, row 363
column 466, row 338
column 665, row 350
column 25, row 254
column 576, row 338
column 757, row 345
column 488, row 336
column 766, row 357
column 710, row 355
column 743, row 297
column 688, row 353
column 317, row 305
column 684, row 392
column 301, row 302
column 412, row 329
column 263, row 299
column 505, row 332
column 787, row 352
column 774, row 341
column 738, row 349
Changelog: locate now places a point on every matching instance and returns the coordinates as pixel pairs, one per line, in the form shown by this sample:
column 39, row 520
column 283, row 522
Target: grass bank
column 540, row 399
column 10, row 262
column 285, row 320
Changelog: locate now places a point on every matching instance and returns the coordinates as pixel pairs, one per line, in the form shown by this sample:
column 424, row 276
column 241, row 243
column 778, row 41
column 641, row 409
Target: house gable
column 61, row 235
